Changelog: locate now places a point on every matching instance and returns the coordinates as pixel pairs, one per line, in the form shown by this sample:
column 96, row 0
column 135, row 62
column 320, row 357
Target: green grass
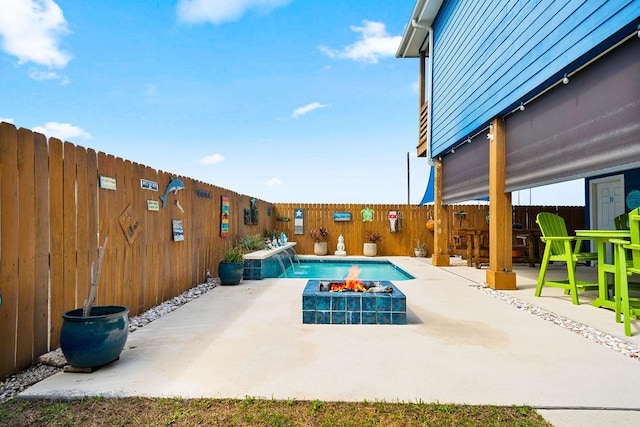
column 251, row 411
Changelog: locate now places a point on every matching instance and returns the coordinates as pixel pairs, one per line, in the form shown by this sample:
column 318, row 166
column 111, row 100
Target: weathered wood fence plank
column 26, row 249
column 9, row 241
column 41, row 274
column 56, row 262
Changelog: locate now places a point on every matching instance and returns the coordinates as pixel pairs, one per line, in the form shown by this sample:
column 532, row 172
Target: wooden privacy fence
column 402, row 242
column 54, row 214
column 412, row 228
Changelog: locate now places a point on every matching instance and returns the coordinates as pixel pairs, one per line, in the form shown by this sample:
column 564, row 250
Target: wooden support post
column 423, row 78
column 500, row 274
column 440, row 255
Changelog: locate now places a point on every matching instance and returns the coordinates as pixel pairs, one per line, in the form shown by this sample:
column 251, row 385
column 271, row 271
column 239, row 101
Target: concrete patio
column 462, row 344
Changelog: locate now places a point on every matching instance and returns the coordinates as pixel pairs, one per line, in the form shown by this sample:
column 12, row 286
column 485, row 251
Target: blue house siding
column 489, row 58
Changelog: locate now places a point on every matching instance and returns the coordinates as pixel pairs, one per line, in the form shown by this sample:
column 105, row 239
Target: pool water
column 338, row 270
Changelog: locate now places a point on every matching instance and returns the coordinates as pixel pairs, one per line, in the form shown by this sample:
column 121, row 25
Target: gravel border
column 54, row 361
column 588, row 332
column 614, row 343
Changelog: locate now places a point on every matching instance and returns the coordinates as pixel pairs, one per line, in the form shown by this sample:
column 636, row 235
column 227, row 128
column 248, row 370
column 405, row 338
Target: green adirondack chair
column 559, row 247
column 627, row 255
column 621, row 222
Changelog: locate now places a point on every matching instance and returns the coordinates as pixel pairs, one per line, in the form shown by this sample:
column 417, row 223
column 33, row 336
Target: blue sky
column 284, row 100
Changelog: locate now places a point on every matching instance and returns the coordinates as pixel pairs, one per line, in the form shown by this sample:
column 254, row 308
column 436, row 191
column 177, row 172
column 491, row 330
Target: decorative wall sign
column 367, row 215
column 179, row 206
column 153, row 205
column 224, row 216
column 254, row 211
column 246, row 215
column 146, row 184
column 341, row 216
column 130, row 225
column 204, row 194
column 107, row 182
column 178, row 230
column 395, row 221
column 174, row 186
column 298, row 221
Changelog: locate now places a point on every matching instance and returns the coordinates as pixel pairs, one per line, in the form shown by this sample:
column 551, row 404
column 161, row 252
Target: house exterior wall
column 631, row 183
column 490, row 56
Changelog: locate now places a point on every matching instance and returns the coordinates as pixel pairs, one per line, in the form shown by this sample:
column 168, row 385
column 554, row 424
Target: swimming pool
column 338, row 270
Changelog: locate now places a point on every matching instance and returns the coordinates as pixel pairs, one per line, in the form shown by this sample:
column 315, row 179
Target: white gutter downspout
column 415, row 24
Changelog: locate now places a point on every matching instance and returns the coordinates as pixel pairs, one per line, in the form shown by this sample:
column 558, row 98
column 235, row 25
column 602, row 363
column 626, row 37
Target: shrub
column 319, row 235
column 373, row 237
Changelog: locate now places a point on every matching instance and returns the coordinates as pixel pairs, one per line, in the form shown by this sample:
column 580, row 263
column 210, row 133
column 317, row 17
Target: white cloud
column 31, row 31
column 212, row 159
column 6, row 120
column 47, row 75
column 374, row 43
column 218, row 11
column 62, row 131
column 43, row 75
column 306, row 109
column 273, row 182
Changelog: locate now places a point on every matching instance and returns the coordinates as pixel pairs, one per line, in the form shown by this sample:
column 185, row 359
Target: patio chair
column 558, row 247
column 621, row 222
column 627, row 264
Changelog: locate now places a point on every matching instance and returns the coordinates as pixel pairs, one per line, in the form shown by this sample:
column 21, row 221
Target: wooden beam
column 500, row 274
column 440, row 255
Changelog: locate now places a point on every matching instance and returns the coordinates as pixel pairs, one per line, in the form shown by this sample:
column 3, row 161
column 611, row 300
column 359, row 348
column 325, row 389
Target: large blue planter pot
column 95, row 340
column 230, row 273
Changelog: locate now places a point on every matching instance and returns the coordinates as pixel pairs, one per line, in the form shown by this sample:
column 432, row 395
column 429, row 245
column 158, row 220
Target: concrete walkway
column 461, row 345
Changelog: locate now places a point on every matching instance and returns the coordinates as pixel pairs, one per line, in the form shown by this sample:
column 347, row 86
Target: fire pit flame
column 354, row 284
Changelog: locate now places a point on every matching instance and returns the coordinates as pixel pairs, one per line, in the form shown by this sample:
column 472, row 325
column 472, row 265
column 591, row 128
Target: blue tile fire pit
column 353, row 308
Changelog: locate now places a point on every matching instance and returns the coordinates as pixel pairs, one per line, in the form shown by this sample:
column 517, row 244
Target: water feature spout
column 279, row 259
column 290, row 258
column 293, row 256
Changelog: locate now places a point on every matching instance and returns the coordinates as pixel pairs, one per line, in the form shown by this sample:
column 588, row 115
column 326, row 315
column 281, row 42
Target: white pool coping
column 266, row 253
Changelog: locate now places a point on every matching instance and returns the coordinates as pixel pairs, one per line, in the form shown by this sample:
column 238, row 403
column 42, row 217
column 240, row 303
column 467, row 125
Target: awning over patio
column 428, row 194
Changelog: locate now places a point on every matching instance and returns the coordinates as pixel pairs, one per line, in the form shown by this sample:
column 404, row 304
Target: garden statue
column 340, row 248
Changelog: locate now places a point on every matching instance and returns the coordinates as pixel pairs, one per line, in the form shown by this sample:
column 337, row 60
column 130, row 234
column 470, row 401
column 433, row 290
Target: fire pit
column 361, row 303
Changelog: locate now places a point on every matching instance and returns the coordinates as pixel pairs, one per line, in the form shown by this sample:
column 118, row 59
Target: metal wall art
column 175, row 185
column 224, row 216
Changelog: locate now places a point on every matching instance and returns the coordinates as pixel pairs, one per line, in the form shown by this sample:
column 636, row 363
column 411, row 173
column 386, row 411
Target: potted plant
column 90, row 336
column 231, row 267
column 371, row 244
column 251, row 242
column 319, row 237
column 420, row 249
